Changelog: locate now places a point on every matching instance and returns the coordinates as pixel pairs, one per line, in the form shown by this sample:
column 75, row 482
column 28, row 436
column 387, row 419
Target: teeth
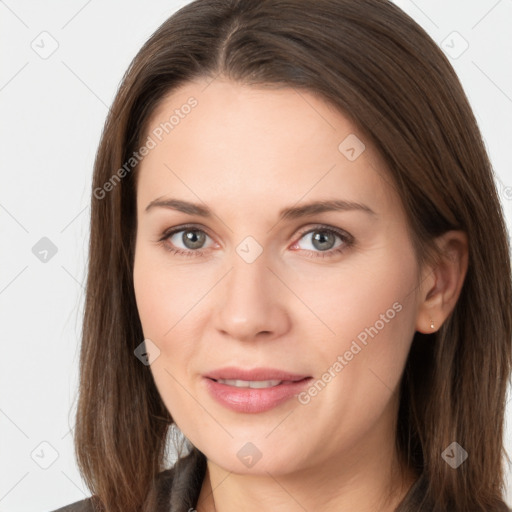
column 256, row 384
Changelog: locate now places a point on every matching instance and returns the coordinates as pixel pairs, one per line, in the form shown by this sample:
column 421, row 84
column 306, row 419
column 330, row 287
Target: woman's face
column 318, row 292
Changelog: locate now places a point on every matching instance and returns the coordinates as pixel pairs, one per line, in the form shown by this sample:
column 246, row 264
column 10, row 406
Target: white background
column 52, row 113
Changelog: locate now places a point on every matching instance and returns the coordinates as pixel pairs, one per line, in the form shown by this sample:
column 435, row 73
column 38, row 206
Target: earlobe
column 440, row 293
column 426, row 327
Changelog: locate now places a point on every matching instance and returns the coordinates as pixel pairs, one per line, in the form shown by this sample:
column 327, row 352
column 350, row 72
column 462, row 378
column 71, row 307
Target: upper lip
column 233, row 373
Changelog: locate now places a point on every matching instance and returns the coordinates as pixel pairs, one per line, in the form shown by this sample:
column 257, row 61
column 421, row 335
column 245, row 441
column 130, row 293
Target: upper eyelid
column 324, row 227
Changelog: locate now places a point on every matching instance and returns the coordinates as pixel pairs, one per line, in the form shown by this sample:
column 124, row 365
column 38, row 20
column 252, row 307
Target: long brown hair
column 381, row 69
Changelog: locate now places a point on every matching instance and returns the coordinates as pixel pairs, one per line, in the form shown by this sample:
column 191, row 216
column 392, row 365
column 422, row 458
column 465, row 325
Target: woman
column 298, row 258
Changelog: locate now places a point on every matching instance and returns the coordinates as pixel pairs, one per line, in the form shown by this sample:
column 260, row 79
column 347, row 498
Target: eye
column 190, row 238
column 322, row 241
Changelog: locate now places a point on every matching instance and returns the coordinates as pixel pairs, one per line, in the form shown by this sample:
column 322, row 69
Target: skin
column 246, row 153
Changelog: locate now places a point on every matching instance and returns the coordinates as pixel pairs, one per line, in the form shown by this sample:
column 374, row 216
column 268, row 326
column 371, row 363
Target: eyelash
column 347, row 240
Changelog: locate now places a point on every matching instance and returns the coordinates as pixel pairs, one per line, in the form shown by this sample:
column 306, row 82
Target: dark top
column 179, row 488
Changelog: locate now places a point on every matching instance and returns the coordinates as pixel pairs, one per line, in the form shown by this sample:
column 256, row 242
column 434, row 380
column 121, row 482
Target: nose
column 251, row 302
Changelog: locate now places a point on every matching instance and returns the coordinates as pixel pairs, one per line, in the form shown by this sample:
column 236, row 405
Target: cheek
column 167, row 300
column 161, row 303
column 164, row 294
column 368, row 295
column 368, row 317
column 152, row 299
column 359, row 366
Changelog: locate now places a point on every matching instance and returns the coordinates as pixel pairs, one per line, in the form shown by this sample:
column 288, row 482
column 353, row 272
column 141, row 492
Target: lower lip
column 251, row 400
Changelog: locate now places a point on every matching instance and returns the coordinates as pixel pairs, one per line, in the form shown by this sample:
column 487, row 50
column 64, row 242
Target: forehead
column 223, row 141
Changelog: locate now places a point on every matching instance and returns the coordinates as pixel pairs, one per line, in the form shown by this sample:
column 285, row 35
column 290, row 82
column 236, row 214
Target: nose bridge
column 251, row 301
column 248, row 284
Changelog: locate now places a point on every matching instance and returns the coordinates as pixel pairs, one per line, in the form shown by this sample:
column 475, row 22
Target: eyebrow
column 293, row 212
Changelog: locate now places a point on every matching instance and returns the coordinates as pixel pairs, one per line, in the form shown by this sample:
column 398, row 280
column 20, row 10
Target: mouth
column 256, row 384
column 241, row 377
column 253, row 391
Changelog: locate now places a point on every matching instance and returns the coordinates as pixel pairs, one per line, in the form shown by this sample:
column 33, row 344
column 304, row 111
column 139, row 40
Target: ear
column 441, row 283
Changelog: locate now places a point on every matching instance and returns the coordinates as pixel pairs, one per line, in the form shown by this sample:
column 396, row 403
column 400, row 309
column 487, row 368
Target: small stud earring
column 431, row 323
